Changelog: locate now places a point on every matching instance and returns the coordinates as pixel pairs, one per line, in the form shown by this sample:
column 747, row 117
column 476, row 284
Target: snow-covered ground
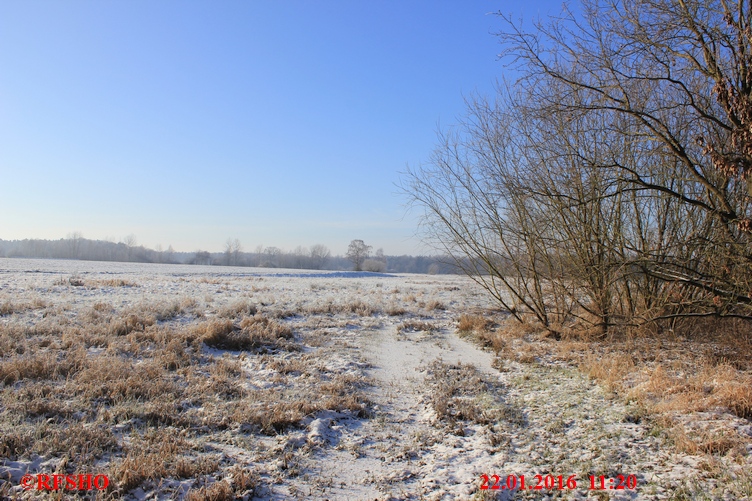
column 430, row 414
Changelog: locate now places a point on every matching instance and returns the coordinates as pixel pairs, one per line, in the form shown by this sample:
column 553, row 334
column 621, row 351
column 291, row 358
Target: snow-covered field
column 193, row 382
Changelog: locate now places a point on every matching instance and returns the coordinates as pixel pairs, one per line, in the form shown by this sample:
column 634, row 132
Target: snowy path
column 563, row 424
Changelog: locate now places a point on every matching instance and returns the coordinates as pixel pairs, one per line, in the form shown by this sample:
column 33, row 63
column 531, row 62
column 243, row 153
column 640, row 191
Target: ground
column 194, row 382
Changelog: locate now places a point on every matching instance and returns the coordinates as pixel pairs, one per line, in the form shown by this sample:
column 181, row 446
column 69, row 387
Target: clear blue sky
column 280, row 123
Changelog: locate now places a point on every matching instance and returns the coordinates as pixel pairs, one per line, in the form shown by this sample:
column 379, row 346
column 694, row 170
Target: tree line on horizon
column 317, row 257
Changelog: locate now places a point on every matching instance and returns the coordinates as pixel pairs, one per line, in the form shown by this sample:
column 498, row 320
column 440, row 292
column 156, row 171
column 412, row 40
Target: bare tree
column 75, row 240
column 319, row 256
column 169, row 254
column 130, row 243
column 201, row 257
column 610, row 186
column 357, row 253
column 233, row 248
column 271, row 256
column 676, row 74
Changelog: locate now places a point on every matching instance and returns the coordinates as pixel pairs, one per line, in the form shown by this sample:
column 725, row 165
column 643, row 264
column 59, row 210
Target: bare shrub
column 578, row 224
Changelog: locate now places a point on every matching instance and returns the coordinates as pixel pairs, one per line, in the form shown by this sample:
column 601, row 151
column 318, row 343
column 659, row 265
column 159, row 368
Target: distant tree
column 74, row 241
column 201, row 257
column 169, row 254
column 271, row 257
column 357, row 253
column 319, row 256
column 130, row 243
column 374, row 265
column 381, row 257
column 233, row 248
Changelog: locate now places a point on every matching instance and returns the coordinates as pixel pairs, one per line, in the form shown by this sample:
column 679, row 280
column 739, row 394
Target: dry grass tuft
column 461, row 393
column 251, row 333
column 274, row 411
column 667, row 373
column 35, row 366
column 711, row 443
column 14, row 443
column 360, row 308
column 151, row 456
column 416, row 326
column 473, row 323
column 132, row 322
column 610, row 369
column 483, row 331
column 238, row 309
column 113, row 282
column 395, row 310
column 218, row 491
column 435, row 305
column 7, row 308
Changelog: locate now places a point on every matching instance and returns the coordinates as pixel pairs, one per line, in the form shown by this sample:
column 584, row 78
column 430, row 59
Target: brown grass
column 395, row 310
column 485, row 331
column 435, row 305
column 610, row 370
column 111, row 282
column 710, row 443
column 416, row 326
column 131, row 391
column 706, row 367
column 275, row 411
column 461, row 393
column 218, row 491
column 251, row 333
column 34, row 367
column 9, row 307
column 238, row 309
column 330, row 307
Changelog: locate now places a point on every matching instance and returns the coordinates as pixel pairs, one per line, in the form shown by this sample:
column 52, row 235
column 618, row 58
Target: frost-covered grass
column 198, row 383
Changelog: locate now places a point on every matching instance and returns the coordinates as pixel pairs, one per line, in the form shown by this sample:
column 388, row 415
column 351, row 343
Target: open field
column 209, row 383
